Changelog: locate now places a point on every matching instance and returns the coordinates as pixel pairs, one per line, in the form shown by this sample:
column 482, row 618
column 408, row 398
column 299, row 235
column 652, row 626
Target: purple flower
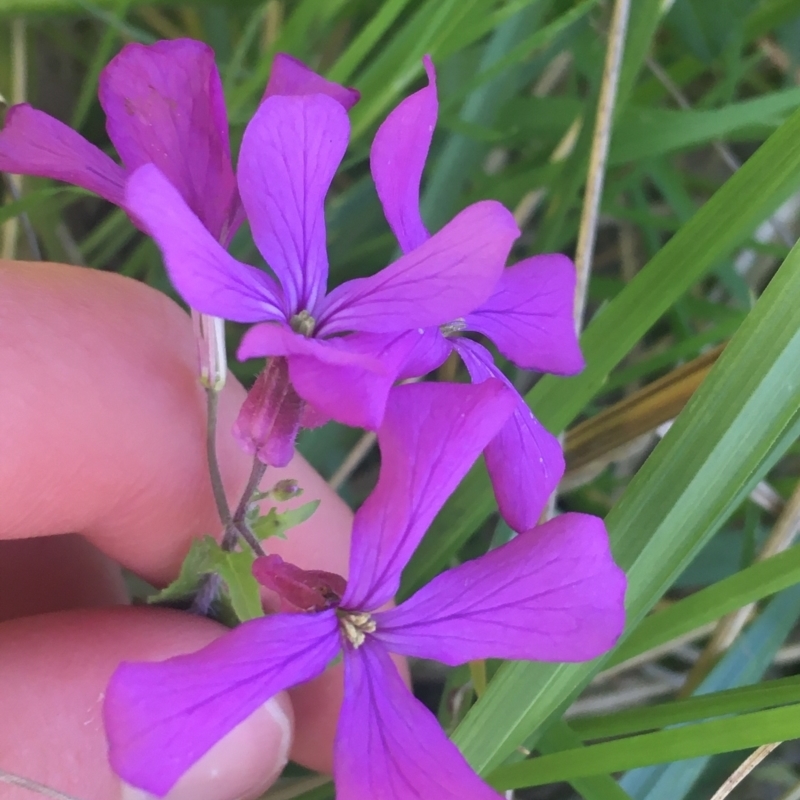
column 164, row 106
column 529, row 316
column 552, row 593
column 344, row 348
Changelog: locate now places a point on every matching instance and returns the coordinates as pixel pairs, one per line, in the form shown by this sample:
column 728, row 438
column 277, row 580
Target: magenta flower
column 343, row 348
column 552, row 593
column 528, row 316
column 162, row 102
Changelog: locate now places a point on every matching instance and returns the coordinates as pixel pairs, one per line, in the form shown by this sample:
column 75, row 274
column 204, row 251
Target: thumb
column 52, row 679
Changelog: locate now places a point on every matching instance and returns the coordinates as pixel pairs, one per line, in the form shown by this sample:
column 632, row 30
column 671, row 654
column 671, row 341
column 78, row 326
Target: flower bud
column 269, row 419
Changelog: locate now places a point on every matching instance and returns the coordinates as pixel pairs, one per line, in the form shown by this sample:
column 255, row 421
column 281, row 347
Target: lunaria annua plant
column 551, row 593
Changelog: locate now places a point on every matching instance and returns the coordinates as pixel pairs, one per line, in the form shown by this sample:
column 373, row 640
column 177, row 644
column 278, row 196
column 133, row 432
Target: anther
column 356, row 626
column 303, row 323
column 456, row 326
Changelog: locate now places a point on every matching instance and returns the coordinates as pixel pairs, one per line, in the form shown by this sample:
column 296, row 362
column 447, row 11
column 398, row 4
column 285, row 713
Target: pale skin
column 102, row 424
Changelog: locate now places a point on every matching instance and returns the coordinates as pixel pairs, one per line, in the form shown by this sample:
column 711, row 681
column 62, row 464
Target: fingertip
column 53, row 678
column 242, row 765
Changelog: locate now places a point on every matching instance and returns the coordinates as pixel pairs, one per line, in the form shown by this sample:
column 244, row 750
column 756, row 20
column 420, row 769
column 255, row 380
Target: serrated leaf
column 194, row 566
column 236, row 569
column 276, row 524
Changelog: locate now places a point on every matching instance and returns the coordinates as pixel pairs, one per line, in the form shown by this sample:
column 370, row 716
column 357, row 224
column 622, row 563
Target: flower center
column 355, row 626
column 303, row 323
column 456, row 326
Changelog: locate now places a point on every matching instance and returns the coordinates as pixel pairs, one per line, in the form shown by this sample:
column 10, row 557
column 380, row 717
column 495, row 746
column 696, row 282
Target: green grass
column 669, row 278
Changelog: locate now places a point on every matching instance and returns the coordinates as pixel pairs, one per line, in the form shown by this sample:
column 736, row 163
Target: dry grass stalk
column 746, row 767
column 601, row 139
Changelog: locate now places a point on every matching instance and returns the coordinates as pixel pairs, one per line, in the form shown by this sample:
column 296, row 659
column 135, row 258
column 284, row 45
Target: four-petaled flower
column 529, row 316
column 343, row 348
column 552, row 593
column 164, row 105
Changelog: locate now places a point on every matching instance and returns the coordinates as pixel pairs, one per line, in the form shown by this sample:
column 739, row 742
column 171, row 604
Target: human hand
column 103, row 463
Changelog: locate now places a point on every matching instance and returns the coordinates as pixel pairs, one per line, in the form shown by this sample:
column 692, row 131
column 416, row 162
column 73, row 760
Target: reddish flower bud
column 299, row 589
column 269, row 419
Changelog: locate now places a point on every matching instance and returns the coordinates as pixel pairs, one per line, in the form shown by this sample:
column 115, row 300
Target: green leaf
column 462, row 154
column 747, row 586
column 194, row 566
column 276, row 524
column 770, row 14
column 33, row 199
column 99, row 59
column 400, row 62
column 691, row 483
column 745, row 662
column 523, row 51
column 205, row 556
column 367, row 38
column 648, row 132
column 705, row 738
column 236, row 569
column 688, row 348
column 560, row 736
column 717, row 704
column 642, row 26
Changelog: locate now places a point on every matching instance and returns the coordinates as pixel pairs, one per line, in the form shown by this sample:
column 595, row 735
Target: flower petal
column 525, row 461
column 552, row 593
column 164, row 106
column 34, row 143
column 161, row 717
column 530, row 315
column 430, row 437
column 430, row 352
column 397, row 159
column 447, row 277
column 388, row 745
column 290, row 76
column 207, row 278
column 347, row 378
column 290, row 152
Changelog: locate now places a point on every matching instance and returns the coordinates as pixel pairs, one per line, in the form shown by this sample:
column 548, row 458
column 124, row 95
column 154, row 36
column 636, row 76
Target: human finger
column 52, row 680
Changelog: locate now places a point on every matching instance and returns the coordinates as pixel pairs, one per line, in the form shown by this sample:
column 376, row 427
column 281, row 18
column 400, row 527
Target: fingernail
column 242, row 765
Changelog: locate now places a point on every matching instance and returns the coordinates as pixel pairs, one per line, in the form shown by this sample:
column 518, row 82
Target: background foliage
column 700, row 209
